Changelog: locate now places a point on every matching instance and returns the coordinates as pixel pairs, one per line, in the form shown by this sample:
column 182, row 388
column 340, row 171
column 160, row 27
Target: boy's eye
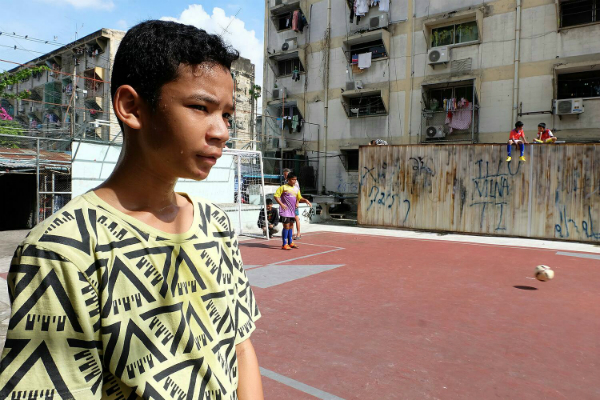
column 198, row 107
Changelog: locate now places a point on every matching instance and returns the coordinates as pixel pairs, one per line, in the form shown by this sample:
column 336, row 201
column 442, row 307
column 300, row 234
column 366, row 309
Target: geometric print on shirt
column 107, row 307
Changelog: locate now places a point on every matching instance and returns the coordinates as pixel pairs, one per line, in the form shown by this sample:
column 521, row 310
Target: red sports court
column 351, row 316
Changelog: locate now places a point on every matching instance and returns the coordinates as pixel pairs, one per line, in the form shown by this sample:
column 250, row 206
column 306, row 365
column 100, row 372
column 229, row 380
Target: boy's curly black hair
column 152, row 51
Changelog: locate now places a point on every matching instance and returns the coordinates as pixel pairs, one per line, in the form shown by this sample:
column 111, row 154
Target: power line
column 57, row 71
column 32, row 39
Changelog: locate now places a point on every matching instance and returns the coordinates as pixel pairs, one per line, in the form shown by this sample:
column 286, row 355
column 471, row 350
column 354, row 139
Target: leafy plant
column 10, row 79
column 9, row 127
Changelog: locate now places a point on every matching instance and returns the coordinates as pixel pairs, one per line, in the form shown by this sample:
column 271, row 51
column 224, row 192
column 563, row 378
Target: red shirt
column 545, row 135
column 517, row 135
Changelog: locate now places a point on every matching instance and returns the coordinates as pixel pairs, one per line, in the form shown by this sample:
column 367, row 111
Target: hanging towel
column 295, row 21
column 354, row 59
column 364, row 60
column 362, row 7
column 294, row 122
column 384, row 5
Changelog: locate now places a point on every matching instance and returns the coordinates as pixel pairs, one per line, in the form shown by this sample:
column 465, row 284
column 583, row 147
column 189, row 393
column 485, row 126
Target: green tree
column 12, row 78
column 12, row 128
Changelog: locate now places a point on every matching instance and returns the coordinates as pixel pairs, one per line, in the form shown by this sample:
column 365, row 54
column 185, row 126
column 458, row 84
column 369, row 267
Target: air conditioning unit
column 438, row 55
column 9, row 87
column 435, row 132
column 379, row 22
column 568, row 106
column 279, row 93
column 354, row 85
column 290, row 44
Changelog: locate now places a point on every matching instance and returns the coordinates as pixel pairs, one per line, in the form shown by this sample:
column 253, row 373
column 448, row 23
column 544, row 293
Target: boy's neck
column 146, row 195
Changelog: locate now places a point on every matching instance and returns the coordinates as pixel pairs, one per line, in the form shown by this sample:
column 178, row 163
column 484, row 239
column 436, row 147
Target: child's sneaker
column 285, row 247
column 293, row 245
column 508, row 158
column 522, row 158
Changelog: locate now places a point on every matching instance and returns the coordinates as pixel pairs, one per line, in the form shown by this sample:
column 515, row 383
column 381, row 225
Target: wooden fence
column 555, row 194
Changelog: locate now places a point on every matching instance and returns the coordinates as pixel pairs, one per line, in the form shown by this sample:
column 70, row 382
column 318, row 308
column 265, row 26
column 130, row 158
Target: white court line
column 578, row 255
column 461, row 241
column 319, row 394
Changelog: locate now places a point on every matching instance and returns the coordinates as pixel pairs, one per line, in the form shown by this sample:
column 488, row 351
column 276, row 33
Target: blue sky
column 47, row 19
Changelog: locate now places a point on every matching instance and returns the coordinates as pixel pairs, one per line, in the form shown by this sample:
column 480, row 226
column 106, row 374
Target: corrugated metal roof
column 26, row 158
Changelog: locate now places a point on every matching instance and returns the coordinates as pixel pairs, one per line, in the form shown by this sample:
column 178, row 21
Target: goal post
column 249, row 198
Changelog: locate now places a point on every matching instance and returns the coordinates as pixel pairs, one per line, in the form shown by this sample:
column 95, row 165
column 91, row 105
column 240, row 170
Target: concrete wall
column 471, row 189
column 545, row 51
column 243, row 69
column 93, row 163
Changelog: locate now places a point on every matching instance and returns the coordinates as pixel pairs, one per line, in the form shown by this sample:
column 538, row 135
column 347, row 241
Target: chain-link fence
column 35, row 179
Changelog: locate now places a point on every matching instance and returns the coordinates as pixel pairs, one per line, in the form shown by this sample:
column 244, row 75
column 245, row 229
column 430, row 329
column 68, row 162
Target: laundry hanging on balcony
column 364, row 60
column 298, row 21
column 459, row 113
column 360, row 8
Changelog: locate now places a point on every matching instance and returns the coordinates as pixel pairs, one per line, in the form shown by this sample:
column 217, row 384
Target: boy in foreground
column 288, row 198
column 517, row 137
column 132, row 290
column 272, row 219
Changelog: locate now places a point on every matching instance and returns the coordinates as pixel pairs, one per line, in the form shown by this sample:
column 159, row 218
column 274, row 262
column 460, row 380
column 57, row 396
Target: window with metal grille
column 365, row 106
column 376, row 48
column 579, row 84
column 287, row 67
column 579, row 12
column 454, row 34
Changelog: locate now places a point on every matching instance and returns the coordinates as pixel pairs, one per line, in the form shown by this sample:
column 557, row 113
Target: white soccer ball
column 543, row 273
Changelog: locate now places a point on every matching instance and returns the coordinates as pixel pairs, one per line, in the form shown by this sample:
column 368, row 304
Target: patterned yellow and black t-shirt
column 106, row 307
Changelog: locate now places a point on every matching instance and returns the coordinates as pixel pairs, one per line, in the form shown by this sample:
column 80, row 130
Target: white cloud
column 122, row 24
column 96, row 4
column 231, row 28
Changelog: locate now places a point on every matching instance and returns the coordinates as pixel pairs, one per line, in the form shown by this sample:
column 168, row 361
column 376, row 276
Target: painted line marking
column 319, row 394
column 335, row 248
column 578, row 255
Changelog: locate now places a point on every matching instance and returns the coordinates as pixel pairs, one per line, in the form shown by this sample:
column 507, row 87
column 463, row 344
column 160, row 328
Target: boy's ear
column 128, row 106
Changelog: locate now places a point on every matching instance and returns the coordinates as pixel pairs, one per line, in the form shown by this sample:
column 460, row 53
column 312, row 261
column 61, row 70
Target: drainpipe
column 412, row 69
column 265, row 91
column 517, row 58
column 327, row 50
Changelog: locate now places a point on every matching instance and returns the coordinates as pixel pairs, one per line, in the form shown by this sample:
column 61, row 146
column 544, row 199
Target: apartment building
column 425, row 71
column 242, row 132
column 73, row 96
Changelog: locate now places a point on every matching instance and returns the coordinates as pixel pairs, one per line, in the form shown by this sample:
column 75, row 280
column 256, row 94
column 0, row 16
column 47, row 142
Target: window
column 454, row 34
column 350, row 158
column 579, row 12
column 283, row 21
column 376, row 48
column 436, row 97
column 579, row 84
column 287, row 67
column 365, row 106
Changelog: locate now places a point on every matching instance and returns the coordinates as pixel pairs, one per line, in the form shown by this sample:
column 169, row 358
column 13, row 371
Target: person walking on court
column 288, row 198
column 272, row 218
column 517, row 137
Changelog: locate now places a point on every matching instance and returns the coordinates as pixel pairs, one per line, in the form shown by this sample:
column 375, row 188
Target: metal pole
column 37, row 181
column 264, row 198
column 326, row 103
column 473, row 116
column 53, row 196
column 240, row 183
column 74, row 97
